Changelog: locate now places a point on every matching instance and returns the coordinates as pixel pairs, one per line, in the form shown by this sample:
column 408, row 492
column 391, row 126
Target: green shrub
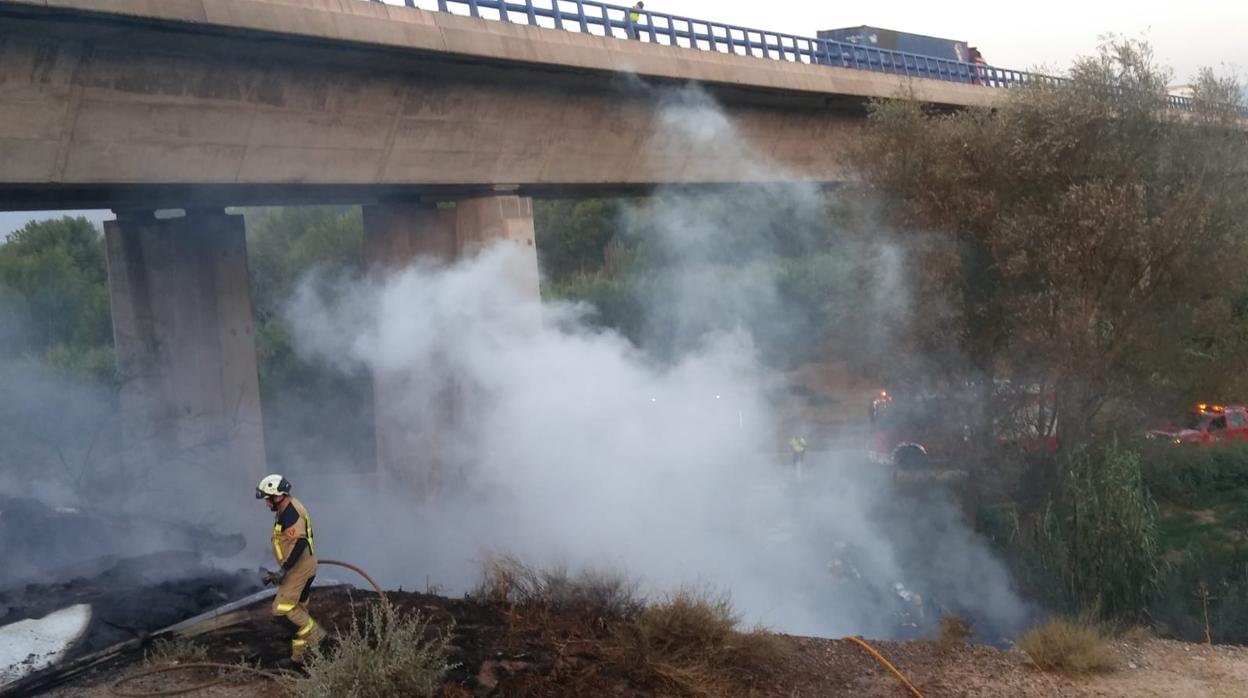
column 1069, row 646
column 1195, row 475
column 1109, row 531
column 1095, row 548
column 387, row 655
column 1209, row 580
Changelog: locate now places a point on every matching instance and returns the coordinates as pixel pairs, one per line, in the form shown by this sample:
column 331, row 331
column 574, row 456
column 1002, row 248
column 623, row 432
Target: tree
column 572, row 236
column 1081, row 239
column 312, row 413
column 670, row 269
column 54, row 292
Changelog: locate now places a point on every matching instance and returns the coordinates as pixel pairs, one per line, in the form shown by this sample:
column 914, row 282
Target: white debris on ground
column 35, row 643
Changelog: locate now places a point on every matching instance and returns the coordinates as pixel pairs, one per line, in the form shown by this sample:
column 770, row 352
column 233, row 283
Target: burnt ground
column 131, row 598
column 498, row 652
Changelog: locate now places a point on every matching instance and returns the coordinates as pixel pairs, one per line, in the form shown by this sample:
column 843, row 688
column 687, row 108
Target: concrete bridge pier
column 420, row 411
column 183, row 330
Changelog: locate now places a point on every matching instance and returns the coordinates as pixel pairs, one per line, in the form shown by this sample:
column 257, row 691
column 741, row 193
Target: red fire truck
column 1208, row 424
column 921, row 430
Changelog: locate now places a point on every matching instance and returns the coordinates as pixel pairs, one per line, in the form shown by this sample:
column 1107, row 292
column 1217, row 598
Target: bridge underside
column 45, row 197
column 119, row 114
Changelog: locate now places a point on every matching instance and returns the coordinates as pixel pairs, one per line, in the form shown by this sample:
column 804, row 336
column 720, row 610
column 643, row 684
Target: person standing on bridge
column 296, row 553
column 634, row 16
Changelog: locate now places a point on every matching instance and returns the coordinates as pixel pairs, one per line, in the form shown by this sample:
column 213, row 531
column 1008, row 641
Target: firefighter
column 295, row 551
column 798, row 445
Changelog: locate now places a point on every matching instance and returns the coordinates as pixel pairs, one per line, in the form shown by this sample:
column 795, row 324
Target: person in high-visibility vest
column 295, row 551
column 798, row 445
column 634, row 16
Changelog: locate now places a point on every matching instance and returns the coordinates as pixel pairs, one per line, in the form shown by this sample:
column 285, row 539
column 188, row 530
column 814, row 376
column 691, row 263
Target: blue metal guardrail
column 604, row 19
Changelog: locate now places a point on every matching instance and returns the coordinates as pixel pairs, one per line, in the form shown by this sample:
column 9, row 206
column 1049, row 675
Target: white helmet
column 272, row 486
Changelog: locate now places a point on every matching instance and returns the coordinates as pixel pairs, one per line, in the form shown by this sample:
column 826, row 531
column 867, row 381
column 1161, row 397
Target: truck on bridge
column 893, row 40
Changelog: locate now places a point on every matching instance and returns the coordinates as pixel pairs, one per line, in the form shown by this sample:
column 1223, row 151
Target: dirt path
column 823, row 668
column 1155, row 668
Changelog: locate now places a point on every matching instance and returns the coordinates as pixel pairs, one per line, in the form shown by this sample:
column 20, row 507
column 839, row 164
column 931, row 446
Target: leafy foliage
column 54, row 296
column 1096, row 548
column 1074, row 235
column 1196, row 476
column 312, row 414
column 1113, row 559
column 573, row 236
column 669, row 270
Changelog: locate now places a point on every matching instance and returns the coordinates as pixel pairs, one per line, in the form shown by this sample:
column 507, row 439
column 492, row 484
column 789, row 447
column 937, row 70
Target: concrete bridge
column 442, row 126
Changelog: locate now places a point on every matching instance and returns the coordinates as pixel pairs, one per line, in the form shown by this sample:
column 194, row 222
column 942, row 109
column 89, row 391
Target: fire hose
column 117, row 689
column 887, row 664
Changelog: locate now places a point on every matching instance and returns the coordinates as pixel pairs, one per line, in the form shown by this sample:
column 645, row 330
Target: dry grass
column 954, row 633
column 593, row 596
column 388, row 654
column 175, row 651
column 1136, row 635
column 1069, row 646
column 690, row 643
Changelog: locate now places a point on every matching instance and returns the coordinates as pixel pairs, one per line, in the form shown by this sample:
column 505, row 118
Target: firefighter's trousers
column 291, row 603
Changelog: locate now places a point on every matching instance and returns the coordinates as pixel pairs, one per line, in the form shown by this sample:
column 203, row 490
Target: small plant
column 1136, row 635
column 954, row 632
column 690, row 643
column 595, row 596
column 387, row 655
column 1069, row 646
column 175, row 651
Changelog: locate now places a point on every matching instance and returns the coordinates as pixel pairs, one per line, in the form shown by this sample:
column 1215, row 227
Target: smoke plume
column 580, row 448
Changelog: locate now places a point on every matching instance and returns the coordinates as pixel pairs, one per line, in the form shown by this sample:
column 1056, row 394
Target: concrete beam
column 114, row 104
column 451, row 35
column 421, row 410
column 183, row 330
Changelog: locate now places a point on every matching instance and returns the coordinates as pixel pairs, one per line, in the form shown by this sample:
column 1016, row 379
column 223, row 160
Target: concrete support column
column 420, row 410
column 183, row 330
column 483, row 221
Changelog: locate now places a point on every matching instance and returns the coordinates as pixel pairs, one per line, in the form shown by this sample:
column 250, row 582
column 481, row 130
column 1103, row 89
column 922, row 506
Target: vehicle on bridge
column 893, row 40
column 1206, row 424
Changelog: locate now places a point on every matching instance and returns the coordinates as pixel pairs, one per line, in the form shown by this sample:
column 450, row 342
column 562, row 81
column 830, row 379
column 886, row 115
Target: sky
column 1185, row 35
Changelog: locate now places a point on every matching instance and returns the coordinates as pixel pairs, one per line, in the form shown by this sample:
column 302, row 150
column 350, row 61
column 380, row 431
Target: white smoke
column 578, row 448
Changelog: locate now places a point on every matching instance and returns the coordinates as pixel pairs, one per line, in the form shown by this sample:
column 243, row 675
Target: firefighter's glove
column 274, row 578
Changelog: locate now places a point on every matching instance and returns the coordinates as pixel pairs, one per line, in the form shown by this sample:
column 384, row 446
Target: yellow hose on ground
column 863, row 643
